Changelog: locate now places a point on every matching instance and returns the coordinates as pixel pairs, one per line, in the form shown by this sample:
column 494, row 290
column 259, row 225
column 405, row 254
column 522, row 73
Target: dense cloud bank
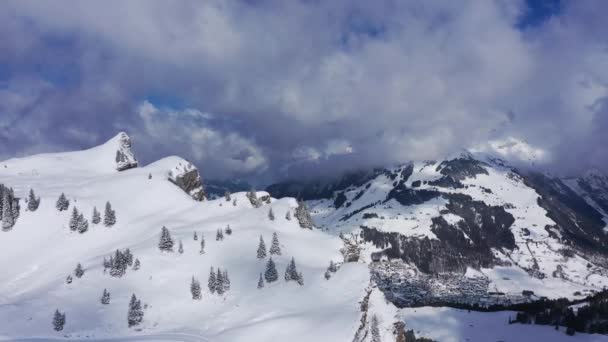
column 280, row 88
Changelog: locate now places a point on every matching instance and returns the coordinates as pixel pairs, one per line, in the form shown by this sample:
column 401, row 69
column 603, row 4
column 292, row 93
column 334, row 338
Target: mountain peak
column 125, row 159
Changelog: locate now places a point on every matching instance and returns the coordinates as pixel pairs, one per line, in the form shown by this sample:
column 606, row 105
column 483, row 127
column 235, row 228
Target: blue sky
column 270, row 89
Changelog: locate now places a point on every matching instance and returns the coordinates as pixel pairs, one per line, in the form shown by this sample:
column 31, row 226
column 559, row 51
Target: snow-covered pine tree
column 166, row 243
column 62, row 203
column 180, row 249
column 300, row 279
column 82, row 225
column 136, row 264
column 79, row 271
column 228, row 230
column 15, row 208
column 211, row 282
column 288, row 216
column 303, row 216
column 195, row 289
column 261, row 248
column 74, row 219
column 327, row 274
column 227, row 196
column 202, row 244
column 375, row 330
column 219, row 235
column 275, row 248
column 128, row 257
column 219, row 282
column 226, row 281
column 96, row 218
column 32, row 202
column 234, row 202
column 68, row 279
column 271, row 273
column 195, row 236
column 105, row 297
column 135, row 314
column 7, row 213
column 332, row 267
column 109, row 218
column 270, row 214
column 291, row 273
column 58, row 320
column 261, row 282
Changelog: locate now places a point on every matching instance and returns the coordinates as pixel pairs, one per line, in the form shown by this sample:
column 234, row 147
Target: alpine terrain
column 97, row 247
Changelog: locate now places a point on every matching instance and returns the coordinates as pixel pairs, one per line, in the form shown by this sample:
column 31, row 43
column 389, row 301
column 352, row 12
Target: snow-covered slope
column 480, row 220
column 40, row 251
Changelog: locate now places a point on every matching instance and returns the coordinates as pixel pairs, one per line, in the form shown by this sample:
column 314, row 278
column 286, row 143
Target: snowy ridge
column 40, row 252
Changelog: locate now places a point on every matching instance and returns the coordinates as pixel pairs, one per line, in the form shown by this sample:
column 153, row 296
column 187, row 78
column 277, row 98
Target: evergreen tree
column 135, row 314
column 105, row 297
column 136, row 265
column 96, row 216
column 74, row 219
column 291, row 273
column 288, row 216
column 195, row 289
column 327, row 274
column 62, row 203
column 300, row 279
column 228, row 230
column 109, row 218
column 261, row 248
column 58, row 320
column 234, row 202
column 32, row 202
column 260, row 282
column 14, row 206
column 332, row 267
column 227, row 196
column 303, row 216
column 166, row 243
column 202, row 244
column 219, row 235
column 271, row 271
column 7, row 213
column 128, row 257
column 79, row 271
column 375, row 330
column 68, row 279
column 212, row 281
column 82, row 225
column 270, row 214
column 195, row 236
column 149, row 176
column 180, row 250
column 219, row 282
column 275, row 248
column 226, row 281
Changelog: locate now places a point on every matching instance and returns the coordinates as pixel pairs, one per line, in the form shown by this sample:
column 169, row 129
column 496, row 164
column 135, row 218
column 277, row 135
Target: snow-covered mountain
column 464, row 230
column 468, row 229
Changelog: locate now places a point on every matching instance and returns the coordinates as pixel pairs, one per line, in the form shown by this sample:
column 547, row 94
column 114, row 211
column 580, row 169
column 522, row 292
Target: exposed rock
column 186, row 176
column 125, row 159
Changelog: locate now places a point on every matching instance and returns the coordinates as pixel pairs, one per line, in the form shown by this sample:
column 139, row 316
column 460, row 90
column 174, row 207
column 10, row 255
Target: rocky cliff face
column 186, row 176
column 125, row 159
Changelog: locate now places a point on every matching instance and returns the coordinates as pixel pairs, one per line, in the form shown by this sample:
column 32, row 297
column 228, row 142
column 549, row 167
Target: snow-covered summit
column 125, row 159
column 114, row 155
